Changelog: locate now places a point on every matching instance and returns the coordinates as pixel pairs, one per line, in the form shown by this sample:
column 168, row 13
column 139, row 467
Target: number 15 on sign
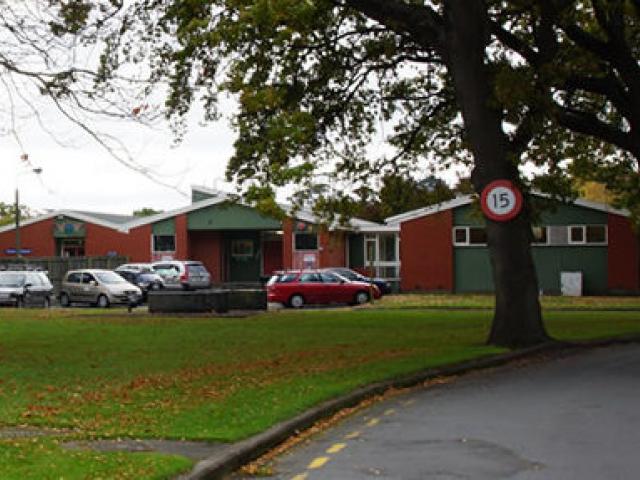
column 501, row 201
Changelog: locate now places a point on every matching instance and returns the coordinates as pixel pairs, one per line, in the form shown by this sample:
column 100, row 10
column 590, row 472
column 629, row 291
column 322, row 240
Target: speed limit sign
column 501, row 200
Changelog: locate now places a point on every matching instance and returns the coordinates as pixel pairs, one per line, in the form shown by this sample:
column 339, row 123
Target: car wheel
column 361, row 297
column 296, row 301
column 64, row 300
column 156, row 286
column 103, row 302
column 47, row 302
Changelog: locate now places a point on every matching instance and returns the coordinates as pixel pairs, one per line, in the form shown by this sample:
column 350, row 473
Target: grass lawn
column 103, row 374
column 548, row 302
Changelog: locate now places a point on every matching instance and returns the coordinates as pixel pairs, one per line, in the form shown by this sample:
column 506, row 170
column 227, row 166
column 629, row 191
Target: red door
column 271, row 256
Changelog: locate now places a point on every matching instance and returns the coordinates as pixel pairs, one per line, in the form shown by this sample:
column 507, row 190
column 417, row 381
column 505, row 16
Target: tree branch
column 422, row 23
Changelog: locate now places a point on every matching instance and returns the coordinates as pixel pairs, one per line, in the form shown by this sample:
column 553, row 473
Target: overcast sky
column 81, row 175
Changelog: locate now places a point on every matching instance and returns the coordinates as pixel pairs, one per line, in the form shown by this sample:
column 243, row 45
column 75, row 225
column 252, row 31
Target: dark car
column 381, row 283
column 147, row 281
column 25, row 288
column 297, row 288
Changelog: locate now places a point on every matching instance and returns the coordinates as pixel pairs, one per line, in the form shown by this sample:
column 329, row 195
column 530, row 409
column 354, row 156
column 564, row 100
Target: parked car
column 381, row 283
column 98, row 287
column 25, row 288
column 185, row 274
column 145, row 280
column 300, row 287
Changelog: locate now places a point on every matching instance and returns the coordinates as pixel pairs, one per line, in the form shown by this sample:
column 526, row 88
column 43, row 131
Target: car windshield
column 12, row 279
column 197, row 268
column 109, row 277
column 348, row 274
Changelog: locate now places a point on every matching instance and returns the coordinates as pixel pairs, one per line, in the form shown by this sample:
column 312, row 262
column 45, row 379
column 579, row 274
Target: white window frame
column 534, row 243
column 377, row 263
column 584, row 235
column 153, row 243
column 467, row 242
column 317, row 249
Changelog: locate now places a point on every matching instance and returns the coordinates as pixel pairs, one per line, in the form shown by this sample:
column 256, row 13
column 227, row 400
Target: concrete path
column 575, row 417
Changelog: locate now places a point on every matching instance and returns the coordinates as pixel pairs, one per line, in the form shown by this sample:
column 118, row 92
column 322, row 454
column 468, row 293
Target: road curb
column 238, row 454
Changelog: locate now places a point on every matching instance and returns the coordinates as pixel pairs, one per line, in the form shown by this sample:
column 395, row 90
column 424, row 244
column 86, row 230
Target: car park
column 146, row 280
column 25, row 288
column 183, row 274
column 98, row 287
column 349, row 274
column 299, row 287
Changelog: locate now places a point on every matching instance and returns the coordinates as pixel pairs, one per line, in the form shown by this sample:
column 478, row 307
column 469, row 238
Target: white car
column 185, row 274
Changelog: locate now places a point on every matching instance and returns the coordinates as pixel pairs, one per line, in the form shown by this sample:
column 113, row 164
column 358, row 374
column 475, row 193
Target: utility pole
column 18, row 245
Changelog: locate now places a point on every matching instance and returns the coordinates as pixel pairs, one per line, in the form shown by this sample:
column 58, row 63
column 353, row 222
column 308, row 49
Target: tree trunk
column 517, row 319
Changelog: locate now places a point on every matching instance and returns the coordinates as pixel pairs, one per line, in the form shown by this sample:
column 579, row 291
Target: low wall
column 203, row 301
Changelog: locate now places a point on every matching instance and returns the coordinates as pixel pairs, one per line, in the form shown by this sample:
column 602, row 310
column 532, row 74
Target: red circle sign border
column 516, row 193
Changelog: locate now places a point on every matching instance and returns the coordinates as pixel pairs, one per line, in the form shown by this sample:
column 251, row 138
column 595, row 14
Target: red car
column 295, row 288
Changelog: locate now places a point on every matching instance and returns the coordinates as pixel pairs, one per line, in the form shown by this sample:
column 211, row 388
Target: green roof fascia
column 229, row 216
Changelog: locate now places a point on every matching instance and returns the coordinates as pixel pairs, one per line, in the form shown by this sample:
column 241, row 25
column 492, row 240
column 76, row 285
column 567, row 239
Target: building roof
column 468, row 199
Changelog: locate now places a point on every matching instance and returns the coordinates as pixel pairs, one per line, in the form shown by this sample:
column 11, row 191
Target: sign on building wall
column 66, row 228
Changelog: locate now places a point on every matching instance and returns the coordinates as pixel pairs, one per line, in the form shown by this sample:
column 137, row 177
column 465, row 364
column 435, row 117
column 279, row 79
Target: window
column 242, row 248
column 309, row 278
column 387, row 247
column 370, row 249
column 539, row 235
column 164, row 243
column 469, row 236
column 576, row 234
column 596, row 234
column 306, row 241
column 460, row 236
column 74, row 277
column 588, row 234
column 329, row 278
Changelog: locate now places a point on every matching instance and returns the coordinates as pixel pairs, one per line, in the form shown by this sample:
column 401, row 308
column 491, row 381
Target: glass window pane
column 539, row 234
column 460, row 235
column 306, row 241
column 164, row 243
column 477, row 236
column 387, row 248
column 577, row 234
column 370, row 253
column 596, row 234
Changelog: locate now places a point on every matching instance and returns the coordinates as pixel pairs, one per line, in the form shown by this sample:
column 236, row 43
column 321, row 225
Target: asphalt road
column 574, row 417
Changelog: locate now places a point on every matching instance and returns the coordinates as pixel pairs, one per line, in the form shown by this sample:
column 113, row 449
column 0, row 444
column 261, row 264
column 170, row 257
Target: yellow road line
column 373, row 422
column 352, row 435
column 318, row 463
column 335, row 448
column 391, row 411
column 302, row 476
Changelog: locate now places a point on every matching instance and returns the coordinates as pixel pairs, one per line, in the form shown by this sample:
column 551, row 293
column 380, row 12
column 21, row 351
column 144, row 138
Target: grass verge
column 117, row 375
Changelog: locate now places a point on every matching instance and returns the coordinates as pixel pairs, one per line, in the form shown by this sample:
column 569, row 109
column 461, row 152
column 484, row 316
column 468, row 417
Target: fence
column 58, row 266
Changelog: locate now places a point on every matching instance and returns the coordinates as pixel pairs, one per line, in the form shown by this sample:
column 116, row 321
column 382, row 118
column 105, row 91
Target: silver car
column 184, row 274
column 25, row 288
column 98, row 287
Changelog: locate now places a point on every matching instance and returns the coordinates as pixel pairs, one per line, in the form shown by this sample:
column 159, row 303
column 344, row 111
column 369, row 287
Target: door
column 244, row 256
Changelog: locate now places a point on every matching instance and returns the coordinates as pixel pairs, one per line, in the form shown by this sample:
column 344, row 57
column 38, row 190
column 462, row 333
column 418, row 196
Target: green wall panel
column 356, row 251
column 591, row 261
column 230, row 217
column 473, row 269
column 165, row 227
